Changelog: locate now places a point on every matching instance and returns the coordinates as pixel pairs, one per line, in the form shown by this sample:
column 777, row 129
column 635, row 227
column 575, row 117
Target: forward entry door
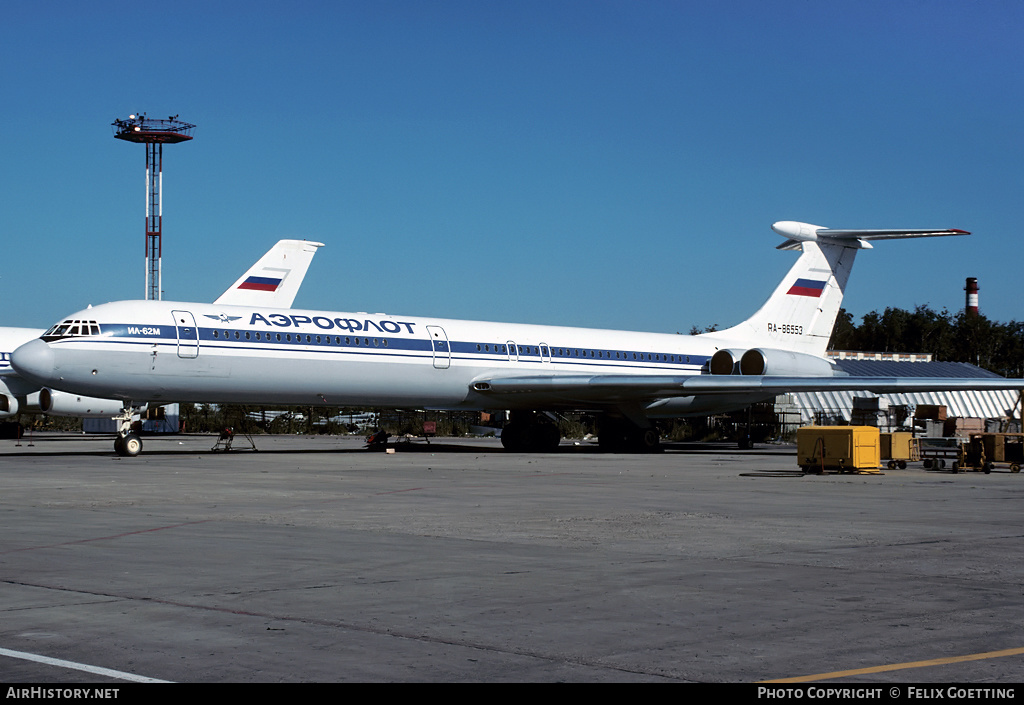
column 188, row 334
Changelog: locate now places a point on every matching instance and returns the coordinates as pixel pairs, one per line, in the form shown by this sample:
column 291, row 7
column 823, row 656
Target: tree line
column 949, row 337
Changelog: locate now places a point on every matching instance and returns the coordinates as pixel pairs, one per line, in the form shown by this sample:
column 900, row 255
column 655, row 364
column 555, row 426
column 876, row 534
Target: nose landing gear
column 128, row 444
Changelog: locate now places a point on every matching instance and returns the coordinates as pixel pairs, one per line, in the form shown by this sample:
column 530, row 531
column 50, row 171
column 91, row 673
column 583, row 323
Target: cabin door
column 441, row 348
column 188, row 334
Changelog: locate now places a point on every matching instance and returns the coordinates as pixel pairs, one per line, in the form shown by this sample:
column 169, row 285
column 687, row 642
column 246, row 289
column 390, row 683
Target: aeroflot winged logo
column 807, row 287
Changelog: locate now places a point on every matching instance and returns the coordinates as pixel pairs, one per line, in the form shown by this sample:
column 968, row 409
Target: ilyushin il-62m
column 159, row 351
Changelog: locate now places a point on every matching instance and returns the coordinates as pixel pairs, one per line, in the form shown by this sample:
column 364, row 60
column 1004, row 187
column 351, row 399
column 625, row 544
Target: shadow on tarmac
column 40, row 445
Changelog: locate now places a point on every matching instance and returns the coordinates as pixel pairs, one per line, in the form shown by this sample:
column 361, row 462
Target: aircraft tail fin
column 275, row 279
column 801, row 313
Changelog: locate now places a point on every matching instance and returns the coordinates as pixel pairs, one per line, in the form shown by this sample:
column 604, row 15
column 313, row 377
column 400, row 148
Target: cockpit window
column 70, row 329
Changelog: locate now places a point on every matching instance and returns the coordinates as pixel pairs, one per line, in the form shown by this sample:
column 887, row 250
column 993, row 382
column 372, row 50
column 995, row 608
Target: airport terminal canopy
column 139, row 128
column 989, row 404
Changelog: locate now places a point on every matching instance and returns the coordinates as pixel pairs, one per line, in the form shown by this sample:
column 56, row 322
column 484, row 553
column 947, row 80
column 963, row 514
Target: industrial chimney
column 971, row 308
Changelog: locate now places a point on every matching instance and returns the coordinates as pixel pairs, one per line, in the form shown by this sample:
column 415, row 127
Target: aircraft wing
column 275, row 279
column 638, row 388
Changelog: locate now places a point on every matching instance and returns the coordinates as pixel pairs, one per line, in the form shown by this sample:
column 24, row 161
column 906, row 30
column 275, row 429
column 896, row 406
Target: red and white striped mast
column 154, row 134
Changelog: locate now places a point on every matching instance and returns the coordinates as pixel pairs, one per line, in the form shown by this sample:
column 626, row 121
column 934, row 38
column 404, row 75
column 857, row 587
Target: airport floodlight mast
column 154, row 134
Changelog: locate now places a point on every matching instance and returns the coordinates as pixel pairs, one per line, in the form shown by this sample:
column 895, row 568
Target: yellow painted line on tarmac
column 900, row 666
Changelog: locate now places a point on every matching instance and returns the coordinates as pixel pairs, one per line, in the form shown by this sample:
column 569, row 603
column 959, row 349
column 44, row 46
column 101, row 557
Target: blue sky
column 573, row 162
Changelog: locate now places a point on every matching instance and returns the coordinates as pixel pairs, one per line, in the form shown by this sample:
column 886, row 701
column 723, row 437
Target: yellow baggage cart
column 853, row 449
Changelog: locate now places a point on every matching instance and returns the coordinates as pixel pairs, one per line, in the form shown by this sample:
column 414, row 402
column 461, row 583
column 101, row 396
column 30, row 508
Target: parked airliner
column 157, row 351
column 272, row 282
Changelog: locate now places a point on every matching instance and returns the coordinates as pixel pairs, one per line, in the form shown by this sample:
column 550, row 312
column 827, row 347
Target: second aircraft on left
column 272, row 282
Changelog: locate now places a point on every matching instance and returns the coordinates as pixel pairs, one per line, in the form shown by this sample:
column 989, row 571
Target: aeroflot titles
column 325, row 323
column 282, row 321
column 296, row 320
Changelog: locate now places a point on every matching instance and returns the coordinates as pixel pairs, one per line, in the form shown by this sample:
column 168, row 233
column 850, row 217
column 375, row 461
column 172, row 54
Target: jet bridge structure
column 154, row 134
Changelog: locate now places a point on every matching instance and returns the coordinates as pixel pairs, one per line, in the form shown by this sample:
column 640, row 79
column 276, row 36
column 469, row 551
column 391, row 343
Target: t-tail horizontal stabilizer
column 805, row 232
column 800, row 314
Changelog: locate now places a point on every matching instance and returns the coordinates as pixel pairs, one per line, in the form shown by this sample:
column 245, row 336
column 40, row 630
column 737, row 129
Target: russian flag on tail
column 807, row 287
column 261, row 283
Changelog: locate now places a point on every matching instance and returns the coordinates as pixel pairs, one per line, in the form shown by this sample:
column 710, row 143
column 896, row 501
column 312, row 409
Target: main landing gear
column 537, row 432
column 530, row 432
column 128, row 444
column 619, row 435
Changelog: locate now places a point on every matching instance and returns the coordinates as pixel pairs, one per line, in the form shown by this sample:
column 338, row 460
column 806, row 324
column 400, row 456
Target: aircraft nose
column 34, row 360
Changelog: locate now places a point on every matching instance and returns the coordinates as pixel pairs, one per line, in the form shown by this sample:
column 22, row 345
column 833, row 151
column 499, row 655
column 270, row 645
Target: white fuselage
column 160, row 351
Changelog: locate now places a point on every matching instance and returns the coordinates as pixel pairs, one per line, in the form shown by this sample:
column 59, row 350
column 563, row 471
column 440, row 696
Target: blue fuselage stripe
column 386, row 346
